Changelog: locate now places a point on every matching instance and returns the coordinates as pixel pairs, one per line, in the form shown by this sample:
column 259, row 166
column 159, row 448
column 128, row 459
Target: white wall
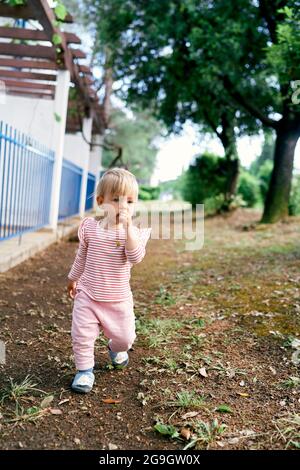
column 75, row 148
column 36, row 117
column 96, row 156
column 30, row 115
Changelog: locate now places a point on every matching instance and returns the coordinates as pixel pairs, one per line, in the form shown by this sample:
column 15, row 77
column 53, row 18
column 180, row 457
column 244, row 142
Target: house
column 51, row 121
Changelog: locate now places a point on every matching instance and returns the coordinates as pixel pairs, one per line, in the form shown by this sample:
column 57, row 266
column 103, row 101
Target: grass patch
column 15, row 395
column 186, row 399
column 158, row 331
column 164, row 297
column 288, row 430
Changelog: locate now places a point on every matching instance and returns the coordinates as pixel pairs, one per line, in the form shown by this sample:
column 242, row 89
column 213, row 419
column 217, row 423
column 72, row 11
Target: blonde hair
column 117, row 181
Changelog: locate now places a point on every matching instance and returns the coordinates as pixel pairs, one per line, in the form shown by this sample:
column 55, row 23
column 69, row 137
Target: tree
column 238, row 57
column 151, row 56
column 258, row 75
column 136, row 136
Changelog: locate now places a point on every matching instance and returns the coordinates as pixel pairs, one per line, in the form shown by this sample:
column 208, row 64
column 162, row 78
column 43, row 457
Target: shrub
column 249, row 188
column 206, row 178
column 147, row 193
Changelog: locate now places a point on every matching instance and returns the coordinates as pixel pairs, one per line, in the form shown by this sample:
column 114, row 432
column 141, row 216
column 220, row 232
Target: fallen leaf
column 233, row 440
column 64, row 401
column 55, row 411
column 296, row 357
column 46, row 402
column 112, row 446
column 243, row 394
column 190, row 414
column 76, row 440
column 186, row 433
column 220, row 443
column 203, row 372
column 111, row 401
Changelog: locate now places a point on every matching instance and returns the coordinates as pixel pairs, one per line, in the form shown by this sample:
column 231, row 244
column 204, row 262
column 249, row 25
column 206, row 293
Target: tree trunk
column 277, row 199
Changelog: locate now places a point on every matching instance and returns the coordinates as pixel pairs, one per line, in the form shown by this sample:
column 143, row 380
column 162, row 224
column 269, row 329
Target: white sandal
column 83, row 382
column 118, row 358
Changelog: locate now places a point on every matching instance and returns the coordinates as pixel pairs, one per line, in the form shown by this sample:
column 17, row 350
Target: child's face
column 114, row 203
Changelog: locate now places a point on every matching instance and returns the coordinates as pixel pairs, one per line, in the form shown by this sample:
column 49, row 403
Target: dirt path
column 212, row 362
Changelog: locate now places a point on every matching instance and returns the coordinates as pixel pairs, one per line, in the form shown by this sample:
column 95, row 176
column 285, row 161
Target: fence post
column 87, row 132
column 97, row 141
column 60, row 117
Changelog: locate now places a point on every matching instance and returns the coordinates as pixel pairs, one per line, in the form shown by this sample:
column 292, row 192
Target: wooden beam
column 61, row 56
column 28, row 64
column 78, row 53
column 30, row 94
column 25, row 12
column 28, row 75
column 23, row 50
column 29, row 85
column 34, row 35
column 45, row 15
column 72, row 130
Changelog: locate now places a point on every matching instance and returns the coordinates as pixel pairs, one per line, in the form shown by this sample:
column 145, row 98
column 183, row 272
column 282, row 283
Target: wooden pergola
column 29, row 68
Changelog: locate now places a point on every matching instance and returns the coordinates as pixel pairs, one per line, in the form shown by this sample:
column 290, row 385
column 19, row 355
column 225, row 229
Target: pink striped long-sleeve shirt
column 102, row 266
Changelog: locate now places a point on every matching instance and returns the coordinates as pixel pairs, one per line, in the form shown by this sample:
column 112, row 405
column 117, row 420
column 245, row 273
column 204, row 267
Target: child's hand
column 125, row 217
column 71, row 289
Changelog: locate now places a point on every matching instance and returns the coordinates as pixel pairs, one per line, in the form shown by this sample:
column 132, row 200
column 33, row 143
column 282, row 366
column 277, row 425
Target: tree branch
column 211, row 123
column 239, row 98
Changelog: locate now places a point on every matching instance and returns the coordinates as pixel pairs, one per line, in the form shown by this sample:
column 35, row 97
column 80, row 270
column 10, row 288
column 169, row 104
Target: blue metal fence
column 69, row 198
column 26, row 173
column 26, row 169
column 91, row 183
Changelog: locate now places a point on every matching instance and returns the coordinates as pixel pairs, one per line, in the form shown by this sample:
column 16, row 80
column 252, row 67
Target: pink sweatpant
column 116, row 319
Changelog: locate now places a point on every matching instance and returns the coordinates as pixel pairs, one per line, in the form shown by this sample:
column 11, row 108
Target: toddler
column 99, row 277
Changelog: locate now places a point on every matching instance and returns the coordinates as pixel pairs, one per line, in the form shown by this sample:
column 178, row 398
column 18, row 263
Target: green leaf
column 287, row 11
column 224, row 409
column 296, row 444
column 166, row 430
column 16, row 2
column 190, row 444
column 56, row 39
column 60, row 11
column 32, row 410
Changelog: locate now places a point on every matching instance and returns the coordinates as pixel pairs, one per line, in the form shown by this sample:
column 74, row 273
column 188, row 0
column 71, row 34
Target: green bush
column 215, row 205
column 206, row 182
column 204, row 179
column 249, row 188
column 147, row 193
